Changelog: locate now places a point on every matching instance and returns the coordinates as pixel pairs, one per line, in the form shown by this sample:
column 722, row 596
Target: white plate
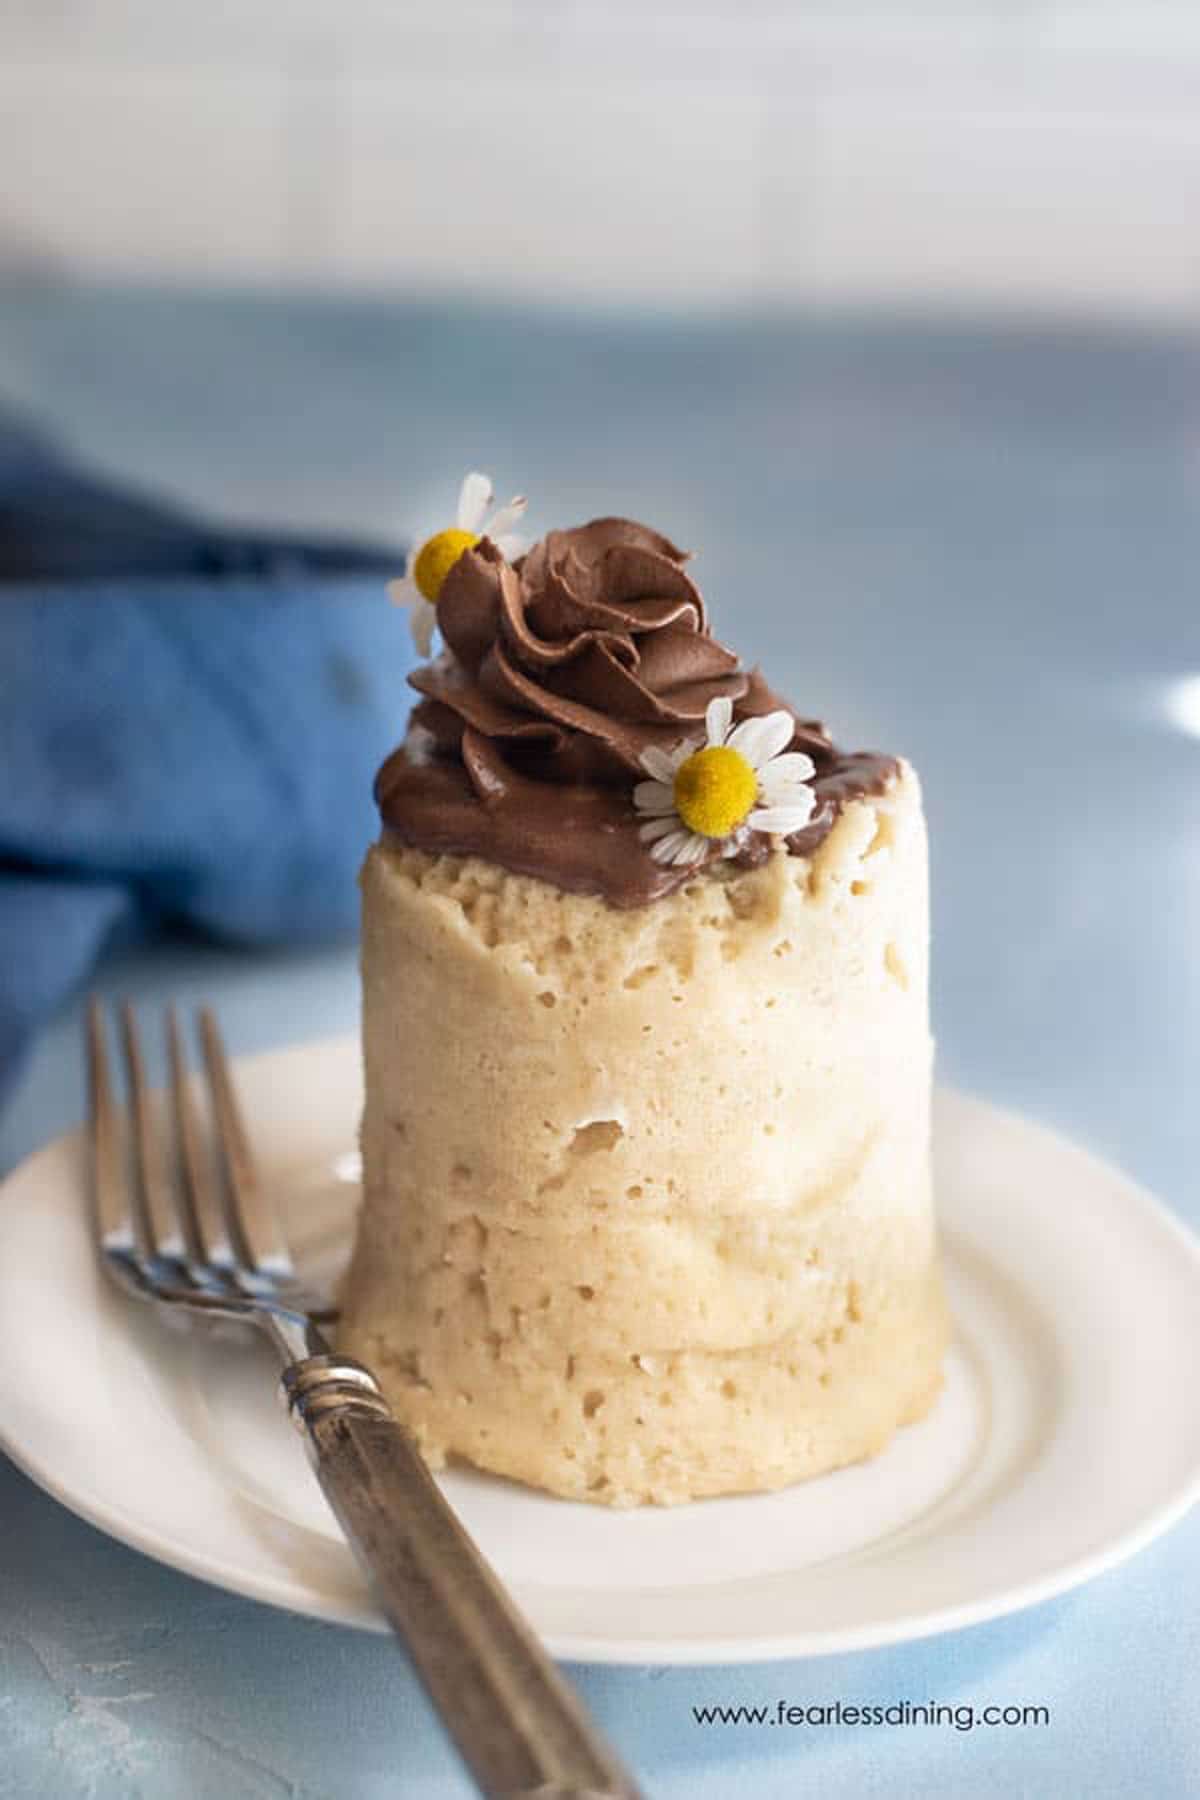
column 1067, row 1435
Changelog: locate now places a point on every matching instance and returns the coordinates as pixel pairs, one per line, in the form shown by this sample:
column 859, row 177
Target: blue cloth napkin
column 190, row 720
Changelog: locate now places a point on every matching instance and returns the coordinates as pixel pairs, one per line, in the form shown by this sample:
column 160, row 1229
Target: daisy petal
column 781, row 821
column 654, row 797
column 717, row 719
column 422, row 622
column 656, row 828
column 402, row 592
column 761, row 738
column 783, row 774
column 508, row 515
column 668, row 849
column 658, row 762
column 695, row 851
column 509, row 545
column 474, row 498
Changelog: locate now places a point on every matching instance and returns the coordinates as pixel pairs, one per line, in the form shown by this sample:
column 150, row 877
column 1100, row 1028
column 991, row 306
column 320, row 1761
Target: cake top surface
column 582, row 723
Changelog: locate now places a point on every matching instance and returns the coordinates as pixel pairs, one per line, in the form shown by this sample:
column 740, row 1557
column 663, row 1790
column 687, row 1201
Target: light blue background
column 979, row 546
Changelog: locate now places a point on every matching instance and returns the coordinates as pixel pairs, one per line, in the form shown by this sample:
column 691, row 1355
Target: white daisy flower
column 742, row 779
column 431, row 562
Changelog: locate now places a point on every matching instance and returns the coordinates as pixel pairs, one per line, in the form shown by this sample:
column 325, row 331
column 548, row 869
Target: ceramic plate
column 1067, row 1435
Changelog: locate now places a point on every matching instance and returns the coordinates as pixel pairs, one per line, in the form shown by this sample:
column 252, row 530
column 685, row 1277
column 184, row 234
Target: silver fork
column 171, row 1233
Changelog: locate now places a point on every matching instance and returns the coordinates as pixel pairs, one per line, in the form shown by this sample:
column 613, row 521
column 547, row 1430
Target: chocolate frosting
column 558, row 672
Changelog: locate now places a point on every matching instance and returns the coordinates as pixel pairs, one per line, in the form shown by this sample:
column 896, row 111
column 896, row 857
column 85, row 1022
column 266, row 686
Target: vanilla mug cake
column 647, row 1207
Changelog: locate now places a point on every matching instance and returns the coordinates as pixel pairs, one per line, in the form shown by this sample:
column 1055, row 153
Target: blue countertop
column 977, row 545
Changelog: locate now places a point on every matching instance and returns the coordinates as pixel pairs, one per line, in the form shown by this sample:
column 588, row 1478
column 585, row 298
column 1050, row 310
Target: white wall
column 712, row 151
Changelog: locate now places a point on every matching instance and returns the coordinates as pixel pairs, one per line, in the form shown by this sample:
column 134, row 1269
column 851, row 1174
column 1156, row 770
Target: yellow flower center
column 436, row 558
column 714, row 791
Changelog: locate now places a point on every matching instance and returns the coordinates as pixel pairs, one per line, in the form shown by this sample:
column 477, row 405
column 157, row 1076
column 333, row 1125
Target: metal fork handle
column 516, row 1722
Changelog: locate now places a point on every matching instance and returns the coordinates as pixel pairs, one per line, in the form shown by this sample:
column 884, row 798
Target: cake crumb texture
column 647, row 1211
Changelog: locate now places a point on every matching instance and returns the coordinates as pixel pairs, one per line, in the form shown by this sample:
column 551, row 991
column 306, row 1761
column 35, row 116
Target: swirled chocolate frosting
column 558, row 672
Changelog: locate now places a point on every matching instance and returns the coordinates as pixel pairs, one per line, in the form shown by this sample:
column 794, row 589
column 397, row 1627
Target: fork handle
column 518, row 1725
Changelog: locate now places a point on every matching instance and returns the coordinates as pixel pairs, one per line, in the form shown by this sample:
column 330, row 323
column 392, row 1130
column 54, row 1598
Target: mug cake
column 647, row 1209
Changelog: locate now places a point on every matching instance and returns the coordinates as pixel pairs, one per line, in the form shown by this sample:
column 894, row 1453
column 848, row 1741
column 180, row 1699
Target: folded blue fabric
column 189, row 723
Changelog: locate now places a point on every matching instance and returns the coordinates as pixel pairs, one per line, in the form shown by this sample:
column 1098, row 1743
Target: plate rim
column 708, row 1650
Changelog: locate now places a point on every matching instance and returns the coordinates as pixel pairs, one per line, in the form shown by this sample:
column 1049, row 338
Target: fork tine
column 110, row 1190
column 200, row 1218
column 155, row 1225
column 250, row 1218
